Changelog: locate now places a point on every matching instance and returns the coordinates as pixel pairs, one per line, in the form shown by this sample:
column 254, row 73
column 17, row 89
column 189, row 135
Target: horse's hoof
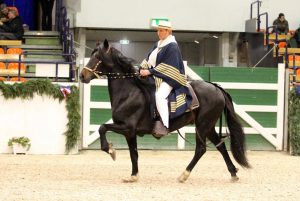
column 234, row 178
column 184, row 176
column 131, row 179
column 112, row 151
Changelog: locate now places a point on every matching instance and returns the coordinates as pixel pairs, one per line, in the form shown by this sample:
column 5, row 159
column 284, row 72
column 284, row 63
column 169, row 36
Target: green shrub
column 294, row 122
column 24, row 141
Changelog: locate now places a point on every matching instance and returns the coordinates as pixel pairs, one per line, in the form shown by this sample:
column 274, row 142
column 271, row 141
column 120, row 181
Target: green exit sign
column 154, row 21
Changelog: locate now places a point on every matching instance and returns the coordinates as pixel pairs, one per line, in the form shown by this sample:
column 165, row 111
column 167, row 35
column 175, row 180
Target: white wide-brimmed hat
column 163, row 24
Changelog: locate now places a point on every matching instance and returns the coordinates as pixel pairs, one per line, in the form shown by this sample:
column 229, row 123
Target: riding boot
column 159, row 130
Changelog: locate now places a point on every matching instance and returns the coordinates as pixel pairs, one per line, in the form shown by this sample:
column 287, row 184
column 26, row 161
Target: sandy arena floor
column 93, row 175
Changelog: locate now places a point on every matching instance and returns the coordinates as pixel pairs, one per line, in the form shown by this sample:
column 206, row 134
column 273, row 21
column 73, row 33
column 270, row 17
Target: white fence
column 272, row 135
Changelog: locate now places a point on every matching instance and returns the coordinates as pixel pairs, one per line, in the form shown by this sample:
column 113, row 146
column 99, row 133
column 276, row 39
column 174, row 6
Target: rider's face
column 163, row 33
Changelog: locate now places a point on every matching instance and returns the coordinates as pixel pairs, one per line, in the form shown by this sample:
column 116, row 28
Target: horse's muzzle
column 83, row 78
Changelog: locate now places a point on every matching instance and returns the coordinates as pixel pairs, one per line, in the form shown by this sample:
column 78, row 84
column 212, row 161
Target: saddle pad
column 195, row 102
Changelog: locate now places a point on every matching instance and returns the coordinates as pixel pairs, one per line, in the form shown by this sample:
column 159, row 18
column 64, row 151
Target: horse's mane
column 146, row 86
column 124, row 62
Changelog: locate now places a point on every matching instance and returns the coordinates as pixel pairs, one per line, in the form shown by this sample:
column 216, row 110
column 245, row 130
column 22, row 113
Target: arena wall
column 42, row 119
column 213, row 15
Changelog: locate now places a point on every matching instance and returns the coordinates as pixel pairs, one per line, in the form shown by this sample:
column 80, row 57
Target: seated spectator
column 281, row 24
column 13, row 8
column 13, row 29
column 297, row 37
column 3, row 13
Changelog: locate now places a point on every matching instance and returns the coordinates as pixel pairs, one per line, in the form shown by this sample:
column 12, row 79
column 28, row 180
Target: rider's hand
column 144, row 72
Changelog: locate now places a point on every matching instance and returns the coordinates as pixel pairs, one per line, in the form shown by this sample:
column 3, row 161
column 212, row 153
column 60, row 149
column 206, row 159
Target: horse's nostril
column 81, row 76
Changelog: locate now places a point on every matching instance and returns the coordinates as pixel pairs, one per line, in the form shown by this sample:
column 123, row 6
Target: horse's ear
column 105, row 44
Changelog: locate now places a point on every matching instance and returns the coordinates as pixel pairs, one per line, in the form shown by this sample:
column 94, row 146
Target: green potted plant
column 20, row 145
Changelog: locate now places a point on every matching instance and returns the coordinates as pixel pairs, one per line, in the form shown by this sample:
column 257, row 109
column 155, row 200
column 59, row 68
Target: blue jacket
column 170, row 68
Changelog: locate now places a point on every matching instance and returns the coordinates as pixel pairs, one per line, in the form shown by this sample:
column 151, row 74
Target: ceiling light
column 214, row 36
column 124, row 42
column 195, row 41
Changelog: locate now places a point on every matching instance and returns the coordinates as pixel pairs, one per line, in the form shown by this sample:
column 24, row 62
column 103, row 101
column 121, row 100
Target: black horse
column 131, row 115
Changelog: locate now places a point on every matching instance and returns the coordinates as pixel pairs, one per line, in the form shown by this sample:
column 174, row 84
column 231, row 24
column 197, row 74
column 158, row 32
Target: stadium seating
column 14, row 51
column 15, row 66
column 16, row 79
column 279, row 37
column 291, row 58
column 2, row 65
column 10, row 54
column 282, row 44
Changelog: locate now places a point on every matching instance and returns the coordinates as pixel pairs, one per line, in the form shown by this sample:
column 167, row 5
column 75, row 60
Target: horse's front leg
column 105, row 146
column 132, row 144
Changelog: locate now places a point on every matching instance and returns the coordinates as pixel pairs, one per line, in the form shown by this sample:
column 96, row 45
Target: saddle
column 159, row 130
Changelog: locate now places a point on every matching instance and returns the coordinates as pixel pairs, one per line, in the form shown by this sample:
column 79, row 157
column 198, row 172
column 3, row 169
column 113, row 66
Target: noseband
column 94, row 70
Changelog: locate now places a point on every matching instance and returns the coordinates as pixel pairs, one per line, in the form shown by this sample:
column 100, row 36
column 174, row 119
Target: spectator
column 47, row 6
column 281, row 24
column 297, row 37
column 13, row 28
column 3, row 13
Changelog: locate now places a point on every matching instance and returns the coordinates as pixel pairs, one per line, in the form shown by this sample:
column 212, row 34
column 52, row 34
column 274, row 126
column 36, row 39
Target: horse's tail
column 237, row 135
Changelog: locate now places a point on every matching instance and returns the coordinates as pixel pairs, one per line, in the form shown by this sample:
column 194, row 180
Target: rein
column 110, row 75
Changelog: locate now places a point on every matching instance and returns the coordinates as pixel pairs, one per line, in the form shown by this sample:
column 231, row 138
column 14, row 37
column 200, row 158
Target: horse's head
column 100, row 63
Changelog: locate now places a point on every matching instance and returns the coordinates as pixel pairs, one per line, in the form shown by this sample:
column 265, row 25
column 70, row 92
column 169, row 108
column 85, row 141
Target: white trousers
column 161, row 100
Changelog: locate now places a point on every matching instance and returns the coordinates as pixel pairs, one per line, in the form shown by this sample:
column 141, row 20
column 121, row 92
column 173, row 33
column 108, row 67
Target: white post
column 86, row 99
column 280, row 106
column 180, row 141
column 86, row 114
column 286, row 111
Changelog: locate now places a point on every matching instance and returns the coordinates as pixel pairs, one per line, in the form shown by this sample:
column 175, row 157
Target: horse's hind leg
column 199, row 152
column 220, row 145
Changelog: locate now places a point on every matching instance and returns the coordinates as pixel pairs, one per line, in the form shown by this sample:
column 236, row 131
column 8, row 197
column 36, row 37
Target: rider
column 165, row 63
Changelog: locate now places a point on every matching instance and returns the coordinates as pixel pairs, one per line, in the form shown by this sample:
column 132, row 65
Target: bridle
column 94, row 70
column 98, row 74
